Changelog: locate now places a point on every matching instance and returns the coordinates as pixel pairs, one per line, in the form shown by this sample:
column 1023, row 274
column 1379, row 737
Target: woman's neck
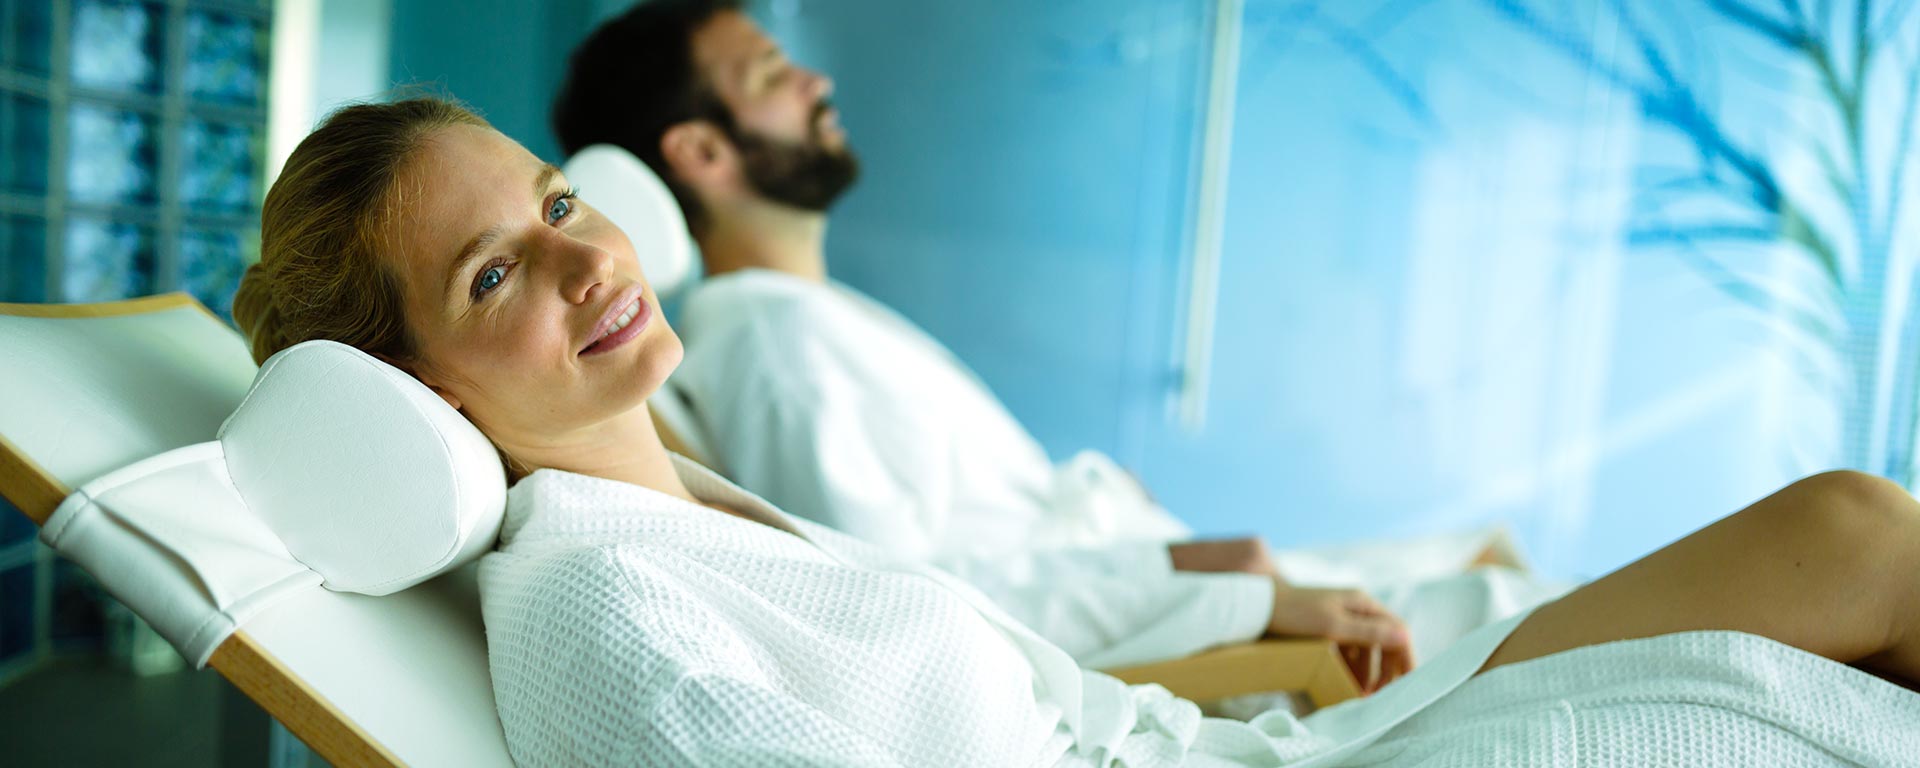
column 627, row 449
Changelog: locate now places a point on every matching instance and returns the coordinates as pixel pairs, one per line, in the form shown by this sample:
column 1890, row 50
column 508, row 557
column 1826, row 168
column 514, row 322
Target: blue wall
column 1024, row 175
column 503, row 58
column 1430, row 315
column 1445, row 299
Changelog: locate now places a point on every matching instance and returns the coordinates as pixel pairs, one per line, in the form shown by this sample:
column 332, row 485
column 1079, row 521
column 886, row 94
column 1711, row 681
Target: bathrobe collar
column 703, row 483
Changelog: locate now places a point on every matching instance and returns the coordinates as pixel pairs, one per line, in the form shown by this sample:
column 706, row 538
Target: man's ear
column 452, row 401
column 697, row 152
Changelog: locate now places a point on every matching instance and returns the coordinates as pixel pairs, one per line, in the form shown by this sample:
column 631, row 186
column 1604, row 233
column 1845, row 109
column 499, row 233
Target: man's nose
column 822, row 85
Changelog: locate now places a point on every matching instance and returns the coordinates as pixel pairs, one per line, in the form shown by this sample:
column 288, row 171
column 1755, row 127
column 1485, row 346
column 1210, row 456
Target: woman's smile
column 622, row 323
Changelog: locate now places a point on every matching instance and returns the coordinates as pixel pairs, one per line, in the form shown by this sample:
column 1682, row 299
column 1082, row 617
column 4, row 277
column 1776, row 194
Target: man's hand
column 1247, row 555
column 1374, row 643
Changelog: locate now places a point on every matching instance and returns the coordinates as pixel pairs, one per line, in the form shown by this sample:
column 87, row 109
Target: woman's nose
column 586, row 267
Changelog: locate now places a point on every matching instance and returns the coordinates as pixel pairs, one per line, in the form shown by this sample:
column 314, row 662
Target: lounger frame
column 1309, row 667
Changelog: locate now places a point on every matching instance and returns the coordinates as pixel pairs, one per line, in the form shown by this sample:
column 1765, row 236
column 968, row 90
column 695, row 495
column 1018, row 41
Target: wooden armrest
column 1311, row 667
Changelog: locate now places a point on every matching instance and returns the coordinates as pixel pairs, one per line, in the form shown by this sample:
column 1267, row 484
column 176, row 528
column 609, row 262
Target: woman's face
column 529, row 307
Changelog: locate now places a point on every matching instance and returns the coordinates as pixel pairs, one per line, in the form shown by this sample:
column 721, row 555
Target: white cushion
column 88, row 396
column 624, row 190
column 336, row 470
column 367, row 476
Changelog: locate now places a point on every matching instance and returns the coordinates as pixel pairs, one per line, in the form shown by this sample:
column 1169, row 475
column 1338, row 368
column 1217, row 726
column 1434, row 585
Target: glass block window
column 22, row 237
column 222, row 166
column 76, row 622
column 115, row 156
column 225, row 57
column 131, row 143
column 23, row 128
column 106, row 260
column 17, row 628
column 15, row 528
column 118, row 46
column 24, row 572
column 212, row 264
column 26, row 37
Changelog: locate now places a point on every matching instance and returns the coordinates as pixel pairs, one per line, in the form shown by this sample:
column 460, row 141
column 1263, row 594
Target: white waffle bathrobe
column 839, row 410
column 627, row 627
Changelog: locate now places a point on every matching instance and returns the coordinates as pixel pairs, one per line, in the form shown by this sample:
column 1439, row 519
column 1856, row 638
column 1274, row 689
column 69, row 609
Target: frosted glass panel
column 211, row 264
column 15, row 526
column 224, row 55
column 114, row 156
column 1600, row 270
column 26, row 31
column 116, row 46
column 23, row 248
column 220, row 166
column 23, row 144
column 106, row 260
column 76, row 622
column 16, row 610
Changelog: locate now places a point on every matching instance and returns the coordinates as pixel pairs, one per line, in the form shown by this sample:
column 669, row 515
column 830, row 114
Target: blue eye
column 561, row 206
column 490, row 279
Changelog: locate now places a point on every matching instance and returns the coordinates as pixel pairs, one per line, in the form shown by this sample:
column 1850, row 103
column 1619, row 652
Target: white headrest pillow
column 621, row 188
column 367, row 476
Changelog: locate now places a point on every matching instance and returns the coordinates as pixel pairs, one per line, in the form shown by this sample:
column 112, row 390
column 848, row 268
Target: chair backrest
column 394, row 680
column 400, row 679
column 621, row 188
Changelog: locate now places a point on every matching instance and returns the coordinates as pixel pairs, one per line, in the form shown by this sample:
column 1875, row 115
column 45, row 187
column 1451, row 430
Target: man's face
column 792, row 148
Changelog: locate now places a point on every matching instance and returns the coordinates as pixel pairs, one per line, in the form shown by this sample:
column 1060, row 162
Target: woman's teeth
column 624, row 318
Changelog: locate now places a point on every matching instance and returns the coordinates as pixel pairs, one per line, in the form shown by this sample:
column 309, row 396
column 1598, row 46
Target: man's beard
column 808, row 176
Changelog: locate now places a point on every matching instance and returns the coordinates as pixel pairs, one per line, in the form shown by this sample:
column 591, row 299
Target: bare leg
column 1830, row 565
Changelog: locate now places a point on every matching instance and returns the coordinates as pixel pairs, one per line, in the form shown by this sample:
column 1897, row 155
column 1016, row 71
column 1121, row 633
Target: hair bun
column 256, row 313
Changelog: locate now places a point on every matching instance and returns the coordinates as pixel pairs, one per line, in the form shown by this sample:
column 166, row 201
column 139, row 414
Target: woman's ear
column 452, row 401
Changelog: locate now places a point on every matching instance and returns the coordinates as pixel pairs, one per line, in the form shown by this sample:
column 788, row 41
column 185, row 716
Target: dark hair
column 634, row 78
column 320, row 275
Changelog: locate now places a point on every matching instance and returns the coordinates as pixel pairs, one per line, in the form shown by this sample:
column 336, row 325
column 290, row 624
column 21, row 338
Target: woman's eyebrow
column 471, row 251
column 484, row 240
column 543, row 179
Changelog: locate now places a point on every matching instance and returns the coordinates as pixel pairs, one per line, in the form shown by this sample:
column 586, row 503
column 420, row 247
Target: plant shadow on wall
column 1795, row 120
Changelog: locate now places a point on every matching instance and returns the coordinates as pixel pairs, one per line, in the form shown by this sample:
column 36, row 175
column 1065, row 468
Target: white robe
column 834, row 407
column 838, row 410
column 628, row 627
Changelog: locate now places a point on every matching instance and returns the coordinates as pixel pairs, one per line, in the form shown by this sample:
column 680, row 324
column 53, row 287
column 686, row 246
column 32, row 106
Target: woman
column 641, row 610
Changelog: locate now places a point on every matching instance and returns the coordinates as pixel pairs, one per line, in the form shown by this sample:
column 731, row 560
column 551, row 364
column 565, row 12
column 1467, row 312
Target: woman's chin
column 658, row 359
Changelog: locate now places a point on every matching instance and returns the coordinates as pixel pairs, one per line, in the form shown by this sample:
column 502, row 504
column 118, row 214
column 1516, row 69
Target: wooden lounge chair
column 398, row 679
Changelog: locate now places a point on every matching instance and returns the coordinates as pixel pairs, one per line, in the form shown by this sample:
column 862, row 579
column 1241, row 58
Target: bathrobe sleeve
column 801, row 426
column 1120, row 605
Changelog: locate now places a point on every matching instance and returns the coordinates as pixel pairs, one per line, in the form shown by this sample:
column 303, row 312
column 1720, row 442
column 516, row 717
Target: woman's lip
column 612, row 313
column 613, row 340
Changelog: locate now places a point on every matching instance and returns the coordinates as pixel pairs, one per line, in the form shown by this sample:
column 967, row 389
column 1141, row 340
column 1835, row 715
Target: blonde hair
column 320, row 275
